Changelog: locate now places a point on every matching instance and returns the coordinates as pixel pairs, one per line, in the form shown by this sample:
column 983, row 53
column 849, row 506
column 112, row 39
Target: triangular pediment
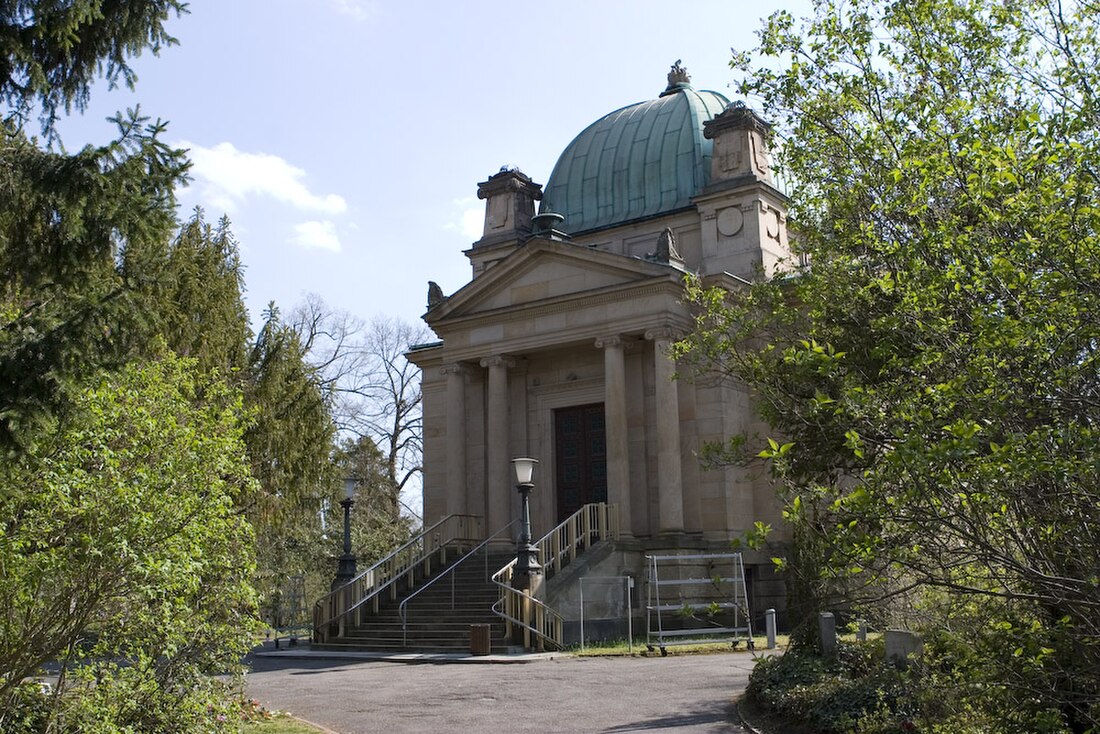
column 542, row 271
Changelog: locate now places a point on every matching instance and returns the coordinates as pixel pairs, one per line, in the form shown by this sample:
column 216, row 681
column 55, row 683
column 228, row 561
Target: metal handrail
column 401, row 610
column 538, row 618
column 374, row 587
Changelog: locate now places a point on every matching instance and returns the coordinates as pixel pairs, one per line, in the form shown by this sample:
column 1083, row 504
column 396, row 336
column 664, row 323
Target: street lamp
column 345, row 571
column 527, row 555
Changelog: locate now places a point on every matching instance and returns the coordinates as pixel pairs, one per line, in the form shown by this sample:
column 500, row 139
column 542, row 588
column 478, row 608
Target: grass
column 281, row 724
column 620, row 647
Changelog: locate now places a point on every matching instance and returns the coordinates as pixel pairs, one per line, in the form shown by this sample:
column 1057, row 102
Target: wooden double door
column 580, row 443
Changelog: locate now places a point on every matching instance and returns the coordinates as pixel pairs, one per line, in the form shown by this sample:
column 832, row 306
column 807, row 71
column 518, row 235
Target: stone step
column 432, row 625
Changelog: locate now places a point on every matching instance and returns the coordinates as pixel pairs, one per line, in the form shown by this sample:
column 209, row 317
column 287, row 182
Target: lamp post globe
column 527, row 554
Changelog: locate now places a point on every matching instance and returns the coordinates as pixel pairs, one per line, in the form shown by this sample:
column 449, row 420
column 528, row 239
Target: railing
column 540, row 623
column 402, row 610
column 590, row 524
column 348, row 601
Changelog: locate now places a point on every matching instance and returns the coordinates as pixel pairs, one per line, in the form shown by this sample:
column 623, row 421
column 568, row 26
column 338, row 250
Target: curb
column 307, row 722
column 409, row 658
column 744, row 722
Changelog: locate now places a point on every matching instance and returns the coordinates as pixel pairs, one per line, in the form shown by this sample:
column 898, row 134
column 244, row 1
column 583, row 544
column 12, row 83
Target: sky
column 345, row 138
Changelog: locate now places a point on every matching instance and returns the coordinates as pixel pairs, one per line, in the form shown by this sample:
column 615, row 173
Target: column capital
column 664, row 333
column 454, row 368
column 617, row 340
column 611, row 340
column 498, row 360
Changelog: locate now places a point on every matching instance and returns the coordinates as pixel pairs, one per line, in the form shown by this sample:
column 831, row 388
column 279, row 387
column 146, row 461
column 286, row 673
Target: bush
column 847, row 694
column 957, row 688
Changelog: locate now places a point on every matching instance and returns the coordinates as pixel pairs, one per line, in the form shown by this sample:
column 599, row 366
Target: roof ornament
column 546, row 225
column 677, row 77
column 435, row 295
column 666, row 249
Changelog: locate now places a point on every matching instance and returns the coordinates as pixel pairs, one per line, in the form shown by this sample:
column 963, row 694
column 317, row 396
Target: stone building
column 557, row 348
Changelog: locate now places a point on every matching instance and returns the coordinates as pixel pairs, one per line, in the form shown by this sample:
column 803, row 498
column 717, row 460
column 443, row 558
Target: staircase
column 413, row 601
column 438, row 619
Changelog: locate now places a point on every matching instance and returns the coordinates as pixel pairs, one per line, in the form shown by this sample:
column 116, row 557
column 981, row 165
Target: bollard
column 769, row 624
column 861, row 635
column 826, row 625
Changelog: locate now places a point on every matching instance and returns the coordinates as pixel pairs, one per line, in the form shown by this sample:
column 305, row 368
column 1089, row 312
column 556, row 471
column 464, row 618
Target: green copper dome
column 641, row 161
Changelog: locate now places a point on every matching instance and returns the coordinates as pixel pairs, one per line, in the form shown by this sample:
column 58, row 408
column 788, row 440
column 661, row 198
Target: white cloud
column 356, row 9
column 468, row 219
column 316, row 234
column 225, row 177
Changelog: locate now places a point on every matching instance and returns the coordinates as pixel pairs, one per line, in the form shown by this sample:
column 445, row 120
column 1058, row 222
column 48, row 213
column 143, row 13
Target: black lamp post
column 345, row 571
column 527, row 555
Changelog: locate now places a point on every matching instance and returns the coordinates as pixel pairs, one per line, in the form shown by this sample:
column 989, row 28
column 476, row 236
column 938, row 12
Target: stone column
column 497, row 472
column 615, row 427
column 670, row 491
column 457, row 501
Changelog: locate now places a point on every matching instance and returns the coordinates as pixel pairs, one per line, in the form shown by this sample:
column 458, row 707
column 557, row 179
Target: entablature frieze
column 632, row 331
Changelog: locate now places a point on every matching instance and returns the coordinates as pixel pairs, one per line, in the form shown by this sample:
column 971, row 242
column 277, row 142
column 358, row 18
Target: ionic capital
column 612, row 340
column 498, row 360
column 454, row 368
column 664, row 333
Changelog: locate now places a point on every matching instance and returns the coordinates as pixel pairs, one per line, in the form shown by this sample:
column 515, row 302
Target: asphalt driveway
column 683, row 693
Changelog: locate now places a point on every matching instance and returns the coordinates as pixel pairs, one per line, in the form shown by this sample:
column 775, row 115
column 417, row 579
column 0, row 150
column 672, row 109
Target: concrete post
column 861, row 635
column 769, row 625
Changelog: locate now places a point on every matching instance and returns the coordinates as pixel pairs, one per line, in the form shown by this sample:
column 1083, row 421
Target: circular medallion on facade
column 730, row 221
column 772, row 220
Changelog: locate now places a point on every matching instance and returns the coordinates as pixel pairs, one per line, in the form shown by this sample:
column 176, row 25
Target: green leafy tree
column 125, row 557
column 933, row 371
column 73, row 228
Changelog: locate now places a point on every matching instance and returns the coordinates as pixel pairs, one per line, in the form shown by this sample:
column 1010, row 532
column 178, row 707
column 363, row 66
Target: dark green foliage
column 376, row 529
column 290, row 443
column 76, row 233
column 199, row 296
column 53, row 50
column 837, row 697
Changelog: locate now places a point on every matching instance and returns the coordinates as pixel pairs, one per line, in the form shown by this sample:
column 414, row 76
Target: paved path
column 685, row 693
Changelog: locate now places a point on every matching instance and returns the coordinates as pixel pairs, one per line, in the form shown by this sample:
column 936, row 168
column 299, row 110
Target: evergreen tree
column 290, row 444
column 200, row 297
column 54, row 51
column 73, row 233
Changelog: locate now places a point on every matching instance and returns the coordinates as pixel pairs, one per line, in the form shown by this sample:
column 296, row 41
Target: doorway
column 581, row 457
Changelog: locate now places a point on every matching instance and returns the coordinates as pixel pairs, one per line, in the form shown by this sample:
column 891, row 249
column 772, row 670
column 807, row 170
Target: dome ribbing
column 640, row 161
